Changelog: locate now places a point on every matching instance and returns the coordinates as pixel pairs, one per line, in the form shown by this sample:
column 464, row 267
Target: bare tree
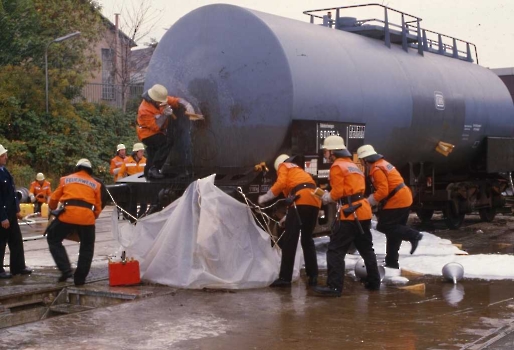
column 134, row 22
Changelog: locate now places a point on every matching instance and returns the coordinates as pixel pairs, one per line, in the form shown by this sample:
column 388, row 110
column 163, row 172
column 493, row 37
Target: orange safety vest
column 131, row 167
column 290, row 175
column 346, row 179
column 116, row 164
column 41, row 192
column 146, row 124
column 386, row 178
column 79, row 186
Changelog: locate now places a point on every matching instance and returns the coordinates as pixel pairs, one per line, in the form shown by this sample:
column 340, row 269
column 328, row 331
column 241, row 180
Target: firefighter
column 118, row 160
column 40, row 191
column 301, row 215
column 393, row 200
column 134, row 164
column 154, row 126
column 81, row 196
column 348, row 184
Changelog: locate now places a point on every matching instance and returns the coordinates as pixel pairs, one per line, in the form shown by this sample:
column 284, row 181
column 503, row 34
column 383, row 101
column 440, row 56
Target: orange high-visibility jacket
column 80, row 186
column 42, row 192
column 290, row 175
column 385, row 178
column 347, row 179
column 146, row 124
column 116, row 164
column 131, row 167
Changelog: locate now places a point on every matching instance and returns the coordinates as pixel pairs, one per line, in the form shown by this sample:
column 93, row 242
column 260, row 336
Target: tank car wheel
column 452, row 218
column 425, row 215
column 487, row 214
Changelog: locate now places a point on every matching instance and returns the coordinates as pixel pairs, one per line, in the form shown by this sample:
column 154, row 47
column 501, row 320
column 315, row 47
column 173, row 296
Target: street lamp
column 58, row 40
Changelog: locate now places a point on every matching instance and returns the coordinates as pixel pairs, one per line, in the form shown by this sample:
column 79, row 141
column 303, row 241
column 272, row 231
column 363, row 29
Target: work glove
column 372, row 201
column 282, row 222
column 188, row 106
column 32, row 198
column 159, row 120
column 326, row 198
column 167, row 111
column 266, row 197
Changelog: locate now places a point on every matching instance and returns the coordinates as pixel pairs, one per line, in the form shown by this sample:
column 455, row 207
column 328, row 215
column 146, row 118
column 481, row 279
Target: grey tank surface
column 252, row 73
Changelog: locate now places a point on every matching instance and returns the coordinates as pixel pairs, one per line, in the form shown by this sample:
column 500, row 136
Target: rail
column 409, row 33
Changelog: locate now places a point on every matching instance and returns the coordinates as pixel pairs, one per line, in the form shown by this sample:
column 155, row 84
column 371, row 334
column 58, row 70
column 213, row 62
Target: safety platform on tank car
column 408, row 33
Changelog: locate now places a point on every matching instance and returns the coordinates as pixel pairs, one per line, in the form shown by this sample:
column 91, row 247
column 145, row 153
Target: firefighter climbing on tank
column 155, row 120
column 393, row 200
column 296, row 184
column 348, row 184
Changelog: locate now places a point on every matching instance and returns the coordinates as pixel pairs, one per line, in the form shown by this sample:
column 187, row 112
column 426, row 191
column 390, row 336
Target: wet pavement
column 473, row 314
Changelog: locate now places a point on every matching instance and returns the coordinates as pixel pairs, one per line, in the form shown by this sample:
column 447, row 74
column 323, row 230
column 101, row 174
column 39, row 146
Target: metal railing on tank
column 405, row 31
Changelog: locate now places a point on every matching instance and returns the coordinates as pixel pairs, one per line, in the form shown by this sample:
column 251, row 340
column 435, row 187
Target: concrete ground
column 474, row 314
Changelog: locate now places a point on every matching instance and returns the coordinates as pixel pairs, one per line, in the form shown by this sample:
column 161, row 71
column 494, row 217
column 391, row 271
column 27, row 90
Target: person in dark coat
column 10, row 233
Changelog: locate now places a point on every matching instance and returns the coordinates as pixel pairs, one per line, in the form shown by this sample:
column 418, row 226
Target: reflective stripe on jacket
column 146, row 124
column 116, row 164
column 41, row 192
column 131, row 167
column 347, row 179
column 385, row 178
column 81, row 186
column 290, row 175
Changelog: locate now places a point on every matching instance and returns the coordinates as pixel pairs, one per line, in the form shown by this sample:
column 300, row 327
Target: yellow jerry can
column 44, row 210
column 26, row 209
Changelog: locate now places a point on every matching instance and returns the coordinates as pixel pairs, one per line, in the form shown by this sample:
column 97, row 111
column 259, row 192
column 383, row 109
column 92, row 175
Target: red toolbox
column 123, row 273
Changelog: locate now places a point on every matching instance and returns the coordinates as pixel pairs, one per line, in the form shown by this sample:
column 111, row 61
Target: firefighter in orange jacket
column 394, row 199
column 154, row 127
column 135, row 164
column 39, row 192
column 118, row 160
column 302, row 215
column 348, row 184
column 81, row 196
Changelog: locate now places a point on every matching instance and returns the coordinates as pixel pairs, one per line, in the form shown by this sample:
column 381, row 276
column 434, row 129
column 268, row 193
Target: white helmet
column 138, row 147
column 362, row 273
column 2, row 150
column 333, row 143
column 85, row 163
column 120, row 147
column 280, row 159
column 40, row 177
column 365, row 151
column 158, row 93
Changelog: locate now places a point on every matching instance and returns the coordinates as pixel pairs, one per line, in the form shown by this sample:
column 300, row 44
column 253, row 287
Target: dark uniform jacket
column 9, row 204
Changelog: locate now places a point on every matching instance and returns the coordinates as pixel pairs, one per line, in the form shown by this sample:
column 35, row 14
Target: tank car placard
column 307, row 139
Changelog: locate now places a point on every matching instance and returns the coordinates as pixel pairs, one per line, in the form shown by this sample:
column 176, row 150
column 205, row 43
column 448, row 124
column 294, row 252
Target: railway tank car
column 268, row 85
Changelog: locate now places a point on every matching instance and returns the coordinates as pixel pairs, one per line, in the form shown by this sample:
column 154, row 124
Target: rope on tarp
column 263, row 220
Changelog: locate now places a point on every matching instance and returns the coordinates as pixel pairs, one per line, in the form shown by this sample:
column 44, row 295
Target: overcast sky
column 486, row 23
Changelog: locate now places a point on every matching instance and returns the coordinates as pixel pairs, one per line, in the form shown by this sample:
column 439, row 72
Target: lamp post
column 57, row 40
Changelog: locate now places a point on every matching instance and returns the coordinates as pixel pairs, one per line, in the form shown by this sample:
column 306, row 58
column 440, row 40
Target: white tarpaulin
column 205, row 239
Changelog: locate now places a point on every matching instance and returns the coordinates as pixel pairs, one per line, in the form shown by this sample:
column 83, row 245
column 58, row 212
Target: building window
column 107, row 74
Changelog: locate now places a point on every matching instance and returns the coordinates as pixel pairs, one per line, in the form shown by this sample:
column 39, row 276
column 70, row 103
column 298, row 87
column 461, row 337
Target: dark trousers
column 37, row 207
column 86, row 234
column 340, row 241
column 289, row 241
column 157, row 150
column 12, row 238
column 393, row 223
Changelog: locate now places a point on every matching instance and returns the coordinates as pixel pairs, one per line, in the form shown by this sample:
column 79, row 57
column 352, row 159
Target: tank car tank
column 269, row 85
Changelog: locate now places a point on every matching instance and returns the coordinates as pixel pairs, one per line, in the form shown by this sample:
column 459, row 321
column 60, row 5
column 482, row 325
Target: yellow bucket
column 26, row 209
column 44, row 210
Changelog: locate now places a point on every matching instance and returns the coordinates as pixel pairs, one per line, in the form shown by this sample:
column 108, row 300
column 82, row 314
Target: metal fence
column 113, row 95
